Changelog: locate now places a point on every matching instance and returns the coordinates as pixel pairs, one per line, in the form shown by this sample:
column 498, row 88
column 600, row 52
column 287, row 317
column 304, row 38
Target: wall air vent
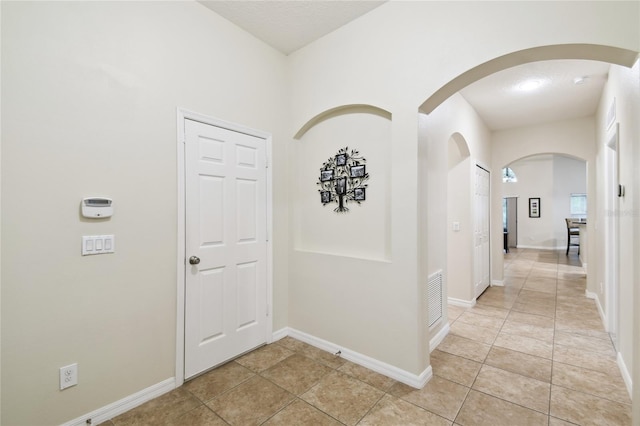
column 434, row 294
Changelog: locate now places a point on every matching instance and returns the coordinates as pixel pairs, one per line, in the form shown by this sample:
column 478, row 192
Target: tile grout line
column 548, row 414
column 553, row 347
column 483, row 363
column 517, row 290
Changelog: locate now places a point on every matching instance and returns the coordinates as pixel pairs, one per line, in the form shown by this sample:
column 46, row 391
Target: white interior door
column 225, row 245
column 481, row 232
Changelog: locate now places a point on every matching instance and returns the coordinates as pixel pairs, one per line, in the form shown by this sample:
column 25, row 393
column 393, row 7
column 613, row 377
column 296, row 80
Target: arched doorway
column 506, row 157
column 543, row 53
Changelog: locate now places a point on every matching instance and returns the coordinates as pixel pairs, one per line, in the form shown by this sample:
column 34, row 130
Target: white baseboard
column 413, row 380
column 462, row 303
column 603, row 317
column 280, row 334
column 439, row 337
column 625, row 375
column 497, row 283
column 520, row 246
column 125, row 404
column 624, row 371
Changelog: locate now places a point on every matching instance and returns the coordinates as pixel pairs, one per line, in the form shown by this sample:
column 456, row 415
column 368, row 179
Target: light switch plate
column 98, row 244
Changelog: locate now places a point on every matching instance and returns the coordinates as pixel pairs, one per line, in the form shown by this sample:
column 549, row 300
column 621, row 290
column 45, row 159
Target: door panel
column 247, row 295
column 225, row 215
column 211, row 221
column 211, row 291
column 247, row 198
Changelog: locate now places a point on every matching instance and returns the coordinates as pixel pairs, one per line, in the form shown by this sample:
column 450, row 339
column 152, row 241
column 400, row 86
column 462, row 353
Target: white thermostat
column 97, row 207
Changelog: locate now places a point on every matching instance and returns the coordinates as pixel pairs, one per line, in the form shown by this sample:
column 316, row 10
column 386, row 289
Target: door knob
column 194, row 260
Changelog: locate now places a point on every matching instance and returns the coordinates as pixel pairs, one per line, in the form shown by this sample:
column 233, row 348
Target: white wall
column 552, row 178
column 535, row 180
column 90, row 91
column 459, row 210
column 570, row 177
column 394, row 58
column 0, row 222
column 340, row 258
column 451, row 185
column 623, row 85
column 636, row 254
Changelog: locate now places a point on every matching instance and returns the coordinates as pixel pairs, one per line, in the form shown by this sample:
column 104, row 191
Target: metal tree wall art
column 343, row 178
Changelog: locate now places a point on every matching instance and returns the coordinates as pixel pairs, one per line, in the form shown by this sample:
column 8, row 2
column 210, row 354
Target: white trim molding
column 280, row 334
column 125, row 404
column 414, row 380
column 603, row 316
column 522, row 246
column 497, row 283
column 462, row 303
column 626, row 376
column 439, row 337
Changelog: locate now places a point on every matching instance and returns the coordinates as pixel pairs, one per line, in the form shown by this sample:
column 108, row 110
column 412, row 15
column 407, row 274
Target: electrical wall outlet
column 68, row 376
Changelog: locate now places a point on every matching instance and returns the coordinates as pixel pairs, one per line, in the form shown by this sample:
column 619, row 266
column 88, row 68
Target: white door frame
column 182, row 115
column 612, row 233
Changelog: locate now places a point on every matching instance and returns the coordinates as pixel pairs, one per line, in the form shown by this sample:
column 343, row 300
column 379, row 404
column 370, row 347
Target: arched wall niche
column 342, row 110
column 458, row 149
column 529, row 156
column 613, row 55
column 364, row 230
column 459, row 211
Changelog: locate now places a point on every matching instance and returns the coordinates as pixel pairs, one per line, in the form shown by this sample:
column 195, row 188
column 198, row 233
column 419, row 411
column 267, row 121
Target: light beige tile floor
column 533, row 352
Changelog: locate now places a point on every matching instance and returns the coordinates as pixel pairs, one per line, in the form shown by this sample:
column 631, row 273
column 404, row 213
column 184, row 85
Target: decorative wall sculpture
column 342, row 179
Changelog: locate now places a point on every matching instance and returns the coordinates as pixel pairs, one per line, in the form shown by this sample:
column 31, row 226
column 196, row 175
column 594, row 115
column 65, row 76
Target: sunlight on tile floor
column 533, row 352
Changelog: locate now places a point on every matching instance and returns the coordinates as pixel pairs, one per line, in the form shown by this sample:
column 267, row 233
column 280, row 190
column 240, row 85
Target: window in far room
column 579, row 205
column 508, row 175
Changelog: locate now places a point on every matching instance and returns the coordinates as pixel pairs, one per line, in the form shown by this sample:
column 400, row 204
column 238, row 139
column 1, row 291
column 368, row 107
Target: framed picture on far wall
column 534, row 207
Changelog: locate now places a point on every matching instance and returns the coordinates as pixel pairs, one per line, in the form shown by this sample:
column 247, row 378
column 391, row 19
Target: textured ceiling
column 501, row 102
column 290, row 25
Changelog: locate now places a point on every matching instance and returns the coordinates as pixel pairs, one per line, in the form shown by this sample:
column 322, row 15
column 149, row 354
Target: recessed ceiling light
column 581, row 80
column 530, row 85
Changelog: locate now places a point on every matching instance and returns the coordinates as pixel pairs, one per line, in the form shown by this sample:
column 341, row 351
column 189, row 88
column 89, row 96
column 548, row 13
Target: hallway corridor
column 533, row 348
column 533, row 352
